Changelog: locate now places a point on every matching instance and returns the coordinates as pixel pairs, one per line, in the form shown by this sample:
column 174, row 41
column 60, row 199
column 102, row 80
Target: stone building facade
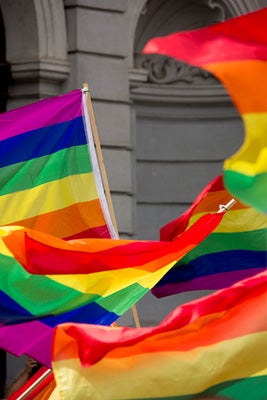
column 165, row 127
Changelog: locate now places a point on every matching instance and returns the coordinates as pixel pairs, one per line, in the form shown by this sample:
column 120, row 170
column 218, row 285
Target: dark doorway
column 4, row 68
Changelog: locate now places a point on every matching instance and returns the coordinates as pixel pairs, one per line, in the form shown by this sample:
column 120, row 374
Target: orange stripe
column 246, row 82
column 84, row 216
column 206, row 330
column 212, row 201
column 64, row 346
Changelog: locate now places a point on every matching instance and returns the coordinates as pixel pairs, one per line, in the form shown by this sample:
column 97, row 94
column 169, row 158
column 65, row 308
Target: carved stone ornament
column 166, row 70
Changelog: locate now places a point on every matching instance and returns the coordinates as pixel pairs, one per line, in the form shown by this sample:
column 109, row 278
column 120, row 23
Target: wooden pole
column 104, row 178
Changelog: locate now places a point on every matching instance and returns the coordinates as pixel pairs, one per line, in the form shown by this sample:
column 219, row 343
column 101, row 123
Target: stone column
column 97, row 46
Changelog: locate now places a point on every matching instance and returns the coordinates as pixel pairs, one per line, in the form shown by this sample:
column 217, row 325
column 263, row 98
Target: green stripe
column 253, row 388
column 123, row 300
column 251, row 190
column 35, row 172
column 38, row 294
column 251, row 241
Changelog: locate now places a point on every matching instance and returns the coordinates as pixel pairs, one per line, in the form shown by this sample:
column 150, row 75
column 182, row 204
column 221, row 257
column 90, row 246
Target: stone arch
column 36, row 47
column 134, row 12
column 160, row 18
column 227, row 9
column 149, row 18
column 236, row 7
column 155, row 18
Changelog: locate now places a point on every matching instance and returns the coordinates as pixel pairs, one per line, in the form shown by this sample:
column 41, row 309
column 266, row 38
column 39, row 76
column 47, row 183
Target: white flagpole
column 104, row 178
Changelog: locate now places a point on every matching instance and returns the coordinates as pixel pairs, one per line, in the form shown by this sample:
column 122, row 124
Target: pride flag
column 235, row 250
column 46, row 280
column 215, row 346
column 49, row 174
column 236, row 52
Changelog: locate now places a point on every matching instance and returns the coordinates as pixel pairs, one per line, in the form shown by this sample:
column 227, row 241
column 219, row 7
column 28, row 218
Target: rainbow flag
column 212, row 346
column 49, row 174
column 45, row 280
column 235, row 250
column 236, row 52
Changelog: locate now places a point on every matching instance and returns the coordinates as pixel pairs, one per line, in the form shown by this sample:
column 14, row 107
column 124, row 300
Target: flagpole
column 104, row 178
column 42, row 377
column 100, row 157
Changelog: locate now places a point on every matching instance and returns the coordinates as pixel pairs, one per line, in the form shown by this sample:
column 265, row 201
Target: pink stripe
column 31, row 338
column 210, row 282
column 40, row 114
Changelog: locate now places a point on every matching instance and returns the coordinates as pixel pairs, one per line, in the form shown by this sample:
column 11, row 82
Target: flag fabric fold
column 45, row 281
column 214, row 346
column 235, row 250
column 235, row 51
column 49, row 174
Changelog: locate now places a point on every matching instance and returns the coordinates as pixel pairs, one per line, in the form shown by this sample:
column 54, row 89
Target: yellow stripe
column 107, row 283
column 48, row 197
column 251, row 159
column 153, row 375
column 55, row 395
column 4, row 250
column 244, row 220
column 3, row 232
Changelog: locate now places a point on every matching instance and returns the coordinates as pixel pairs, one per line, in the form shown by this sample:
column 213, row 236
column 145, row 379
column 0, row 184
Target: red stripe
column 43, row 254
column 98, row 232
column 179, row 225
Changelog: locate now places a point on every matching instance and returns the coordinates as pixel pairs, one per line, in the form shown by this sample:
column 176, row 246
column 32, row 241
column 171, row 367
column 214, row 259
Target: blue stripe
column 91, row 313
column 11, row 312
column 209, row 264
column 41, row 142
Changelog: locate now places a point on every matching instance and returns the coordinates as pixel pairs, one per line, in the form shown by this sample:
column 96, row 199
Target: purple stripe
column 31, row 338
column 209, row 282
column 40, row 114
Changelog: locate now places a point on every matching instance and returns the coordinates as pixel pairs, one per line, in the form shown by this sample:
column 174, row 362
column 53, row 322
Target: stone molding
column 50, row 70
column 108, row 5
column 166, row 70
column 162, row 79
